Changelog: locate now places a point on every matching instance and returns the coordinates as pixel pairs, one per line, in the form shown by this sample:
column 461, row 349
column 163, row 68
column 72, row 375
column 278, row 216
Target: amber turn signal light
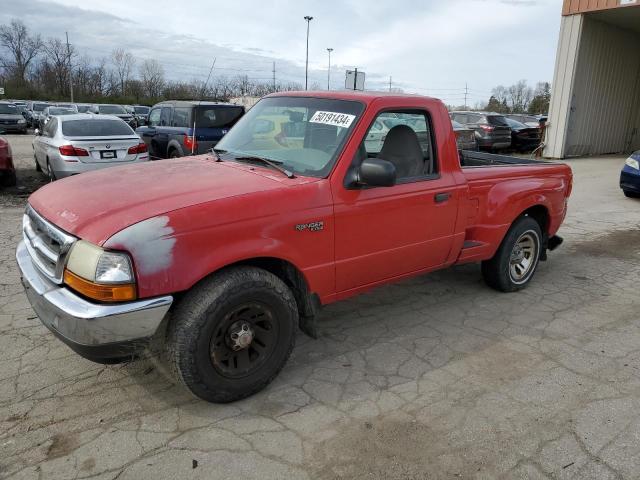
column 102, row 293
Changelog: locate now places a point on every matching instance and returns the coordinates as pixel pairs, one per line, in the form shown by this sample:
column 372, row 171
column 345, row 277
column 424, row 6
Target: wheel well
column 541, row 215
column 307, row 301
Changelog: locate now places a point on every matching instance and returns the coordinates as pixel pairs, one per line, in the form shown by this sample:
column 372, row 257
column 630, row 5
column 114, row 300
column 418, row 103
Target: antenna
column 204, row 88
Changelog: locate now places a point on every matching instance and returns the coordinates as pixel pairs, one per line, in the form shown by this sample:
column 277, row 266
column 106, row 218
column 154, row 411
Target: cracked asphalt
column 436, row 377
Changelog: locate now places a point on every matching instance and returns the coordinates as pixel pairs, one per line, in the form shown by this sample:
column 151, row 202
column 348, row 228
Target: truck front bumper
column 104, row 333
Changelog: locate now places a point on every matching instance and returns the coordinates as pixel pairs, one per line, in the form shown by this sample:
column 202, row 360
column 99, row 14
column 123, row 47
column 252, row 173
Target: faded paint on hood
column 96, row 205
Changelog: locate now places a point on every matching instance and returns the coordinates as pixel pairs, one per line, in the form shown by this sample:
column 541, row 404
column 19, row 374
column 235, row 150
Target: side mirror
column 376, row 172
column 37, row 131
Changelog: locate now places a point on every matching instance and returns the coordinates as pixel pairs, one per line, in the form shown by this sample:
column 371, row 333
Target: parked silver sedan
column 73, row 144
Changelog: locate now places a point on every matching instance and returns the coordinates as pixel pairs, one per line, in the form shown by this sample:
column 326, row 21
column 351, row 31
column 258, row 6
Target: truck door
column 385, row 232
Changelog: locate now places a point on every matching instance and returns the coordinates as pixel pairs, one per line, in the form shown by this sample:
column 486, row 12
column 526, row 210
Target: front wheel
column 231, row 334
column 515, row 262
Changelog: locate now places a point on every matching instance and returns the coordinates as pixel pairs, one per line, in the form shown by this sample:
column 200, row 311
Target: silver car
column 73, row 144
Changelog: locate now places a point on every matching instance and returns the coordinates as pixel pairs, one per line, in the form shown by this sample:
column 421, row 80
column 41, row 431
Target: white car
column 73, row 144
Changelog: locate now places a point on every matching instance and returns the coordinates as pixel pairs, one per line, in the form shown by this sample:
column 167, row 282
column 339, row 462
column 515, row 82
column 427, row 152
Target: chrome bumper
column 83, row 325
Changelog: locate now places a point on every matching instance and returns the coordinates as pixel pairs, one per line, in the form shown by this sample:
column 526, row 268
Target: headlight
column 633, row 163
column 22, row 120
column 100, row 274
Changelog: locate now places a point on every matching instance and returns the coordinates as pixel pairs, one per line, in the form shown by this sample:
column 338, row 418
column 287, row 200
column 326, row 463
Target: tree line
column 45, row 68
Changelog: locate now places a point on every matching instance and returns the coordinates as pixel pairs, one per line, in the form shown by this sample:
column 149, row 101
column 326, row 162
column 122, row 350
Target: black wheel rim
column 243, row 340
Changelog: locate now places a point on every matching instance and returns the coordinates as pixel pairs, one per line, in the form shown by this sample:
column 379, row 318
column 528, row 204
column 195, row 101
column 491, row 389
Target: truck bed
column 471, row 159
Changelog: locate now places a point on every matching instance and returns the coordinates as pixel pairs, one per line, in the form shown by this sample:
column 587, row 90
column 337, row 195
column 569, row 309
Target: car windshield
column 61, row 111
column 142, row 110
column 515, row 124
column 112, row 109
column 217, row 117
column 8, row 109
column 304, row 134
column 95, row 128
column 38, row 107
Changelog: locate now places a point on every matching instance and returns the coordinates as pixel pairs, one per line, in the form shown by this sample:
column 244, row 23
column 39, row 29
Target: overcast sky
column 427, row 46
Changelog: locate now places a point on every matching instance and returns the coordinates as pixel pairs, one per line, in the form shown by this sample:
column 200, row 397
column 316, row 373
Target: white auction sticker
column 343, row 120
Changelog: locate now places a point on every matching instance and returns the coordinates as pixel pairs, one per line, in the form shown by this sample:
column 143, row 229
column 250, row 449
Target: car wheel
column 174, row 154
column 50, row 174
column 515, row 262
column 8, row 179
column 232, row 334
column 630, row 194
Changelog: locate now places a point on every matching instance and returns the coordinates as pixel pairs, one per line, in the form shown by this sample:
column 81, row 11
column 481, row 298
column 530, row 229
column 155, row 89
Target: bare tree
column 22, row 48
column 123, row 63
column 519, row 96
column 59, row 60
column 152, row 78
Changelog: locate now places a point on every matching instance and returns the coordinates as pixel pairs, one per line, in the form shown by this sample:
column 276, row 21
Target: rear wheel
column 515, row 262
column 174, row 154
column 231, row 335
column 50, row 174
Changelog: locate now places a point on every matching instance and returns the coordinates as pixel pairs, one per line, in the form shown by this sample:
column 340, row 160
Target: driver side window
column 404, row 138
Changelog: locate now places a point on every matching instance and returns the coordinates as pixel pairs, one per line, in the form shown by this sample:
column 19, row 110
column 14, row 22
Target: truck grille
column 48, row 246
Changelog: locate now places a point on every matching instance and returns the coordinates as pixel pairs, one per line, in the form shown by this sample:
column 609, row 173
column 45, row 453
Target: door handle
column 442, row 197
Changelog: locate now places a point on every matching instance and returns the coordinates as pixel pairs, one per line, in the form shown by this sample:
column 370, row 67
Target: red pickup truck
column 223, row 256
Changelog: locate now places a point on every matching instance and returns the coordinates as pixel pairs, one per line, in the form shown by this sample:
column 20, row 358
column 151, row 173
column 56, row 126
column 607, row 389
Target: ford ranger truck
column 222, row 257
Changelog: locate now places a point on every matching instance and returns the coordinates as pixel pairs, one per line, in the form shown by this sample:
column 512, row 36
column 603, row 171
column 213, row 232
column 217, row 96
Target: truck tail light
column 190, row 143
column 71, row 151
column 136, row 149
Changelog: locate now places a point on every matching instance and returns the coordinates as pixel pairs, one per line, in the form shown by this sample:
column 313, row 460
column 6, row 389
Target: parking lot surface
column 435, row 377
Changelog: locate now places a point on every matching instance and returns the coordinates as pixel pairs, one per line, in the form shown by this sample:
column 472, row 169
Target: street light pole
column 306, row 68
column 329, row 69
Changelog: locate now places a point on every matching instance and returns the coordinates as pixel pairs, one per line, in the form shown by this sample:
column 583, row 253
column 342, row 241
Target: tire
column 50, row 175
column 8, row 179
column 200, row 341
column 174, row 153
column 504, row 272
column 630, row 194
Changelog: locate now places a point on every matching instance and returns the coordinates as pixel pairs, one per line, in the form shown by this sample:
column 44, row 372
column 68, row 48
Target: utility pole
column 306, row 67
column 69, row 63
column 389, row 82
column 274, row 76
column 329, row 69
column 466, row 92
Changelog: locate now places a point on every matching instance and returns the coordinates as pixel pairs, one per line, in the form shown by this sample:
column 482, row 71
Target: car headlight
column 633, row 163
column 22, row 120
column 100, row 274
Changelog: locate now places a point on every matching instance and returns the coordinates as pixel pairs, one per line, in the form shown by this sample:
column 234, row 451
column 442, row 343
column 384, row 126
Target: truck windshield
column 303, row 134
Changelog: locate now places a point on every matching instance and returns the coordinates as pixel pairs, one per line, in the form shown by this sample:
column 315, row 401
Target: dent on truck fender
column 150, row 242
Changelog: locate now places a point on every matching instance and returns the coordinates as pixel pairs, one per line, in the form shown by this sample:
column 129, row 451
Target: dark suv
column 169, row 132
column 492, row 130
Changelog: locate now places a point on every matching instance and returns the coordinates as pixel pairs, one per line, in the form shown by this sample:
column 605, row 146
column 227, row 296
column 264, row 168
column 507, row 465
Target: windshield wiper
column 277, row 165
column 217, row 153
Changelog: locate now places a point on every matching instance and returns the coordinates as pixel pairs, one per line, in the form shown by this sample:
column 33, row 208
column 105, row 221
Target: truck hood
column 96, row 205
